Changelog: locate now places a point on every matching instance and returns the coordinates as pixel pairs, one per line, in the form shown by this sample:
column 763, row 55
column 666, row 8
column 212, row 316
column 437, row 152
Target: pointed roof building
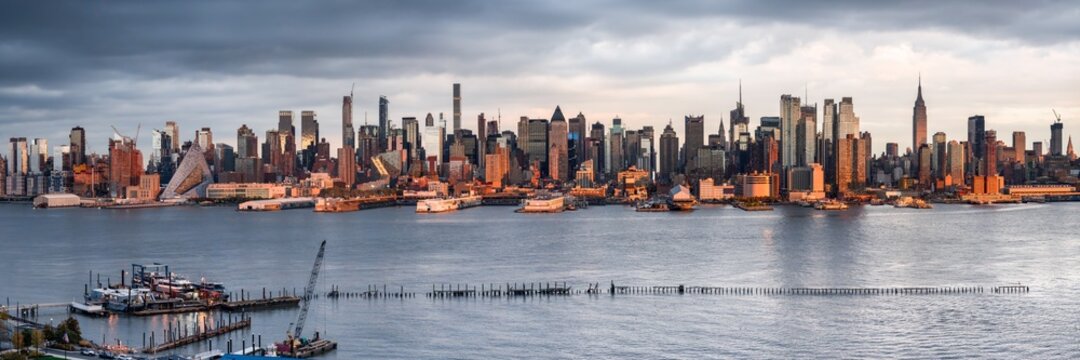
column 918, row 120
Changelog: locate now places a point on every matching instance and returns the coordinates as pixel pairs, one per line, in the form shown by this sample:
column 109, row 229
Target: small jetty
column 176, row 337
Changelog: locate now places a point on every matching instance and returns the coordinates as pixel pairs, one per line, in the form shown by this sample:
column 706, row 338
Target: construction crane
column 1056, row 115
column 309, row 292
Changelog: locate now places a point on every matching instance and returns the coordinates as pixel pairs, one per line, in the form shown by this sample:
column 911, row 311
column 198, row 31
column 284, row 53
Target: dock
column 530, row 289
column 174, row 337
column 263, row 303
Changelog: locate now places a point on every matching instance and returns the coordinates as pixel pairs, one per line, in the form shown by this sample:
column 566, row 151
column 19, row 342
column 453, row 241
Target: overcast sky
column 223, row 64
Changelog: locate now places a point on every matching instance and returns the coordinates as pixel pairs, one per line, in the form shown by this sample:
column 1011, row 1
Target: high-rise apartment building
column 384, row 123
column 348, row 133
column 1056, row 139
column 457, row 109
column 790, row 114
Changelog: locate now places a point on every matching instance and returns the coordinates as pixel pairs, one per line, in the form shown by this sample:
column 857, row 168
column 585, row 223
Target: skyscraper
column 925, row 156
column 669, row 154
column 205, row 138
column 481, row 136
column 694, row 126
column 536, row 143
column 412, row 139
column 1056, row 139
column 939, row 153
column 1019, row 145
column 990, row 154
column 434, row 135
column 348, row 134
column 918, row 119
column 597, row 148
column 790, row 113
column 558, row 155
column 77, row 141
column 956, row 162
column 384, row 122
column 309, row 129
column 846, row 121
column 615, row 148
column 576, row 147
column 346, row 165
column 829, row 129
column 740, row 124
column 806, row 143
column 285, row 131
column 976, row 131
column 457, row 110
column 173, row 130
column 246, row 142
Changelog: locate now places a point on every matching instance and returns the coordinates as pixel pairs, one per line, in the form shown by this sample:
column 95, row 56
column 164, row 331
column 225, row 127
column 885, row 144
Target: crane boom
column 309, row 291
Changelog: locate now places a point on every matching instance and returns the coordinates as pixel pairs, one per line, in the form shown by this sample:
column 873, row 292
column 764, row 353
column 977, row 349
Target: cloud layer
column 223, row 64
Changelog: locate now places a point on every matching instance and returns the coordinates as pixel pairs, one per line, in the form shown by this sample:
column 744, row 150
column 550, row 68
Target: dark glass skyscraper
column 384, row 118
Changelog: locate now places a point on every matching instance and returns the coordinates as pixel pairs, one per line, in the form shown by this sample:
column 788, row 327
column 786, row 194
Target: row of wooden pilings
column 562, row 289
column 176, row 335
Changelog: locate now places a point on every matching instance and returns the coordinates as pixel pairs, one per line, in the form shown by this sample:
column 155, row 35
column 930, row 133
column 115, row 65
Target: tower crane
column 309, row 292
column 1056, row 115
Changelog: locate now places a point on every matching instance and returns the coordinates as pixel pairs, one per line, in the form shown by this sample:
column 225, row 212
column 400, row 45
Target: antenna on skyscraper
column 352, row 90
column 498, row 116
column 740, row 92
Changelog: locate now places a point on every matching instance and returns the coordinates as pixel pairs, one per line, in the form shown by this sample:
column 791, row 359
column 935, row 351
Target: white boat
column 450, row 204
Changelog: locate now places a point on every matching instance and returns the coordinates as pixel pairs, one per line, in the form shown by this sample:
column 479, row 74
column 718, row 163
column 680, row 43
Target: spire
column 740, row 92
column 920, row 86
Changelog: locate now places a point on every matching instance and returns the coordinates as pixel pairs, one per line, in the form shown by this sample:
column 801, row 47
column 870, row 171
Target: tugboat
column 681, row 199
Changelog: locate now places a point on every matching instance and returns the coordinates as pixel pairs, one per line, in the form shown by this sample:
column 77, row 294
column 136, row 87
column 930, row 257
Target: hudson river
column 47, row 254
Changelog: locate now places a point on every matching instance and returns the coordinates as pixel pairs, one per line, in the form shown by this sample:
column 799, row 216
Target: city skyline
column 634, row 74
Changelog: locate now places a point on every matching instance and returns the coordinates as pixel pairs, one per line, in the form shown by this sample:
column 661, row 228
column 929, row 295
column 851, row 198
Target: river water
column 47, row 255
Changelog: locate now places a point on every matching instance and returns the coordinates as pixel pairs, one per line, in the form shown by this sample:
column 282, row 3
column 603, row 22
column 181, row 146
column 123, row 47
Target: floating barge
column 268, row 303
column 753, row 206
column 544, row 204
column 429, row 206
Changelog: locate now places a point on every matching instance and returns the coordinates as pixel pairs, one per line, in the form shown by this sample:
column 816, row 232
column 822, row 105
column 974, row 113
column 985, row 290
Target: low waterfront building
column 56, row 201
column 245, row 191
column 806, row 183
column 708, row 190
column 755, row 185
column 1040, row 190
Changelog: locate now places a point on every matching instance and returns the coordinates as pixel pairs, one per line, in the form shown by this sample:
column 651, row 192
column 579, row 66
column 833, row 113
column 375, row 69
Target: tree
column 69, row 327
column 17, row 340
column 37, row 338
